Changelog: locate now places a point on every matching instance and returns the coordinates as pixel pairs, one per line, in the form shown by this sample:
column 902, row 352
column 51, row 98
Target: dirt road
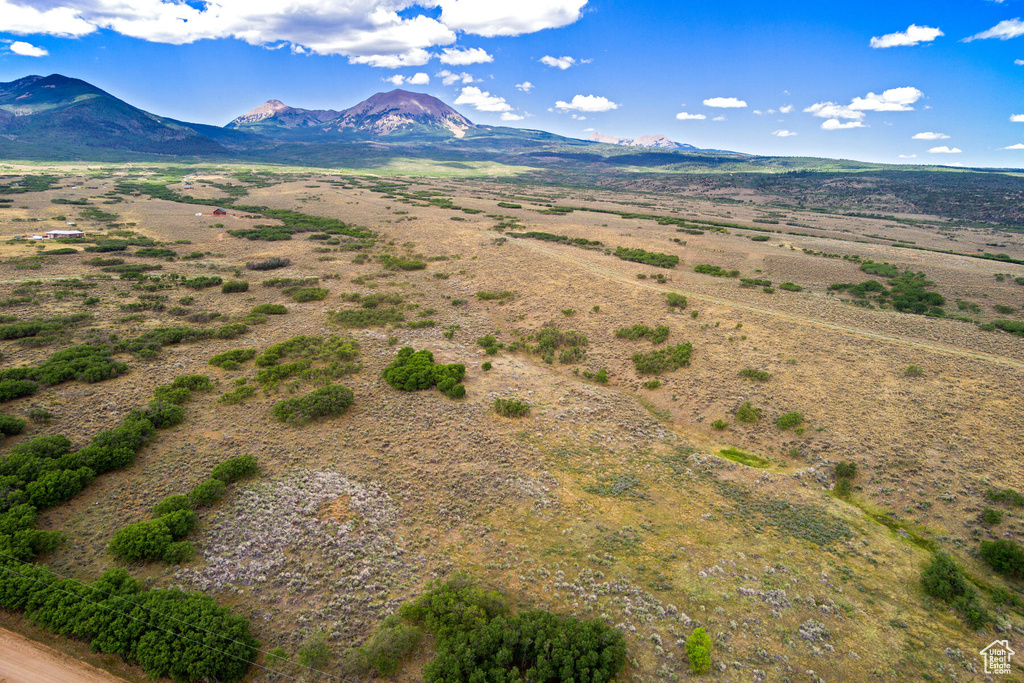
column 26, row 661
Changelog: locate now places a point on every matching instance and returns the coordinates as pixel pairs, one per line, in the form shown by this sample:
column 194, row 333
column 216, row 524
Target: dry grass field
column 609, row 500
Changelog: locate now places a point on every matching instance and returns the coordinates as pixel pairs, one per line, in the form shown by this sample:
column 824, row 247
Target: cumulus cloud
column 945, row 150
column 24, row 49
column 1019, row 145
column 908, row 156
column 456, row 57
column 394, row 80
column 1004, row 30
column 725, row 103
column 687, row 116
column 481, row 100
column 509, row 116
column 449, row 78
column 489, row 18
column 525, row 86
column 783, row 133
column 787, row 109
column 1017, row 118
column 836, row 124
column 1019, row 62
column 562, row 63
column 384, row 33
column 418, row 79
column 832, row 110
column 718, row 118
column 930, row 136
column 914, row 35
column 591, row 103
column 894, row 99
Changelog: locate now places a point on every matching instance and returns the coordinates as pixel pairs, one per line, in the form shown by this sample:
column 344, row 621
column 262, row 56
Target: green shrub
column 270, row 309
column 943, row 579
column 315, row 653
column 495, row 296
column 171, row 504
column 365, row 317
column 486, row 365
column 650, row 258
column 384, row 653
column 202, row 281
column 748, row 413
column 846, row 470
column 789, row 420
column 715, row 271
column 229, row 360
column 1004, row 556
column 720, row 425
column 237, row 396
column 1008, row 496
column 206, row 493
column 178, row 552
column 991, row 517
column 663, row 360
column 676, row 300
column 329, row 401
column 10, row 425
column 235, row 468
column 269, row 264
column 756, row 375
column 657, row 335
column 234, row 286
column 304, row 294
column 413, row 370
column 652, row 384
column 790, row 287
column 698, row 651
column 913, row 371
column 511, row 407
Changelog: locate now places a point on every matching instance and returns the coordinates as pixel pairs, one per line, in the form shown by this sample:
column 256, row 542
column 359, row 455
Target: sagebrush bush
column 304, row 294
column 413, row 370
column 270, row 309
column 229, row 360
column 663, row 360
column 748, row 413
column 511, row 407
column 676, row 300
column 234, row 286
column 789, row 420
column 329, row 401
column 269, row 263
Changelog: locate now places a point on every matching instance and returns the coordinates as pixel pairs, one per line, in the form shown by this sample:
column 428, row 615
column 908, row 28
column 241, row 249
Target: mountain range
column 61, row 118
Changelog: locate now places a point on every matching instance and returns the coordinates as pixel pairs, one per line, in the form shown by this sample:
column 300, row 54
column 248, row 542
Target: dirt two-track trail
column 782, row 315
column 25, row 661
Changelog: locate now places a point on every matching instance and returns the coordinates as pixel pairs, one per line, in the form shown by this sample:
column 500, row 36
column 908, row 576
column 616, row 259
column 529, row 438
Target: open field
column 610, row 499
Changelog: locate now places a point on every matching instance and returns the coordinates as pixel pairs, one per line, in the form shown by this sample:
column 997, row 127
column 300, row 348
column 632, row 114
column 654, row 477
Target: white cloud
column 1017, row 118
column 24, row 49
column 509, row 116
column 1004, row 30
column 945, row 150
column 456, row 57
column 562, row 63
column 894, row 99
column 687, row 116
column 394, row 80
column 1019, row 62
column 449, row 78
column 725, row 103
column 930, row 136
column 831, row 110
column 579, row 117
column 587, row 103
column 758, row 112
column 836, row 124
column 783, row 133
column 914, row 35
column 1019, row 145
column 481, row 100
column 384, row 33
column 719, row 118
column 489, row 18
column 418, row 79
column 525, row 86
column 908, row 156
column 787, row 109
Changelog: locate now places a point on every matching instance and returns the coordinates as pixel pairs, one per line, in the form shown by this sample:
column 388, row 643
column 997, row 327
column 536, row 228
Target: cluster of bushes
column 45, row 471
column 790, row 287
column 656, row 335
column 160, row 538
column 174, row 634
column 234, row 286
column 477, row 639
column 846, row 472
column 698, row 650
column 271, row 263
column 294, row 222
column 748, row 413
column 648, row 257
column 663, row 360
column 789, row 421
column 395, row 263
column 85, row 363
column 676, row 300
column 907, row 293
column 755, row 375
column 242, row 392
column 715, row 271
column 943, row 579
column 202, row 281
column 329, row 401
column 269, row 309
column 1008, row 496
column 149, row 344
column 1006, row 557
column 305, row 294
column 367, row 317
column 754, row 282
column 285, row 282
column 48, row 327
column 561, row 239
column 550, row 339
column 316, row 359
column 502, row 297
column 155, row 252
column 230, row 360
column 490, row 344
column 511, row 407
column 10, row 425
column 886, row 270
column 413, row 370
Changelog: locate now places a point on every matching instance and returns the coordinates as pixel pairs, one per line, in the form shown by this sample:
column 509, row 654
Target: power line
column 165, row 616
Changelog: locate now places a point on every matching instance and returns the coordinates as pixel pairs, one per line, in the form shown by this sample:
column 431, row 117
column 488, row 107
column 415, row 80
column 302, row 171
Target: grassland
column 607, row 500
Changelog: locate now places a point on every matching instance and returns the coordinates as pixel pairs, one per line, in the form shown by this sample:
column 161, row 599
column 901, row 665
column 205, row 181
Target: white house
column 70, row 234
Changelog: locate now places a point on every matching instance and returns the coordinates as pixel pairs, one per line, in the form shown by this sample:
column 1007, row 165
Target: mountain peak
column 649, row 141
column 387, row 112
column 278, row 113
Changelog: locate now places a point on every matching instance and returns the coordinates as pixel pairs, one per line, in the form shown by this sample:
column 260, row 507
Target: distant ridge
column 649, row 141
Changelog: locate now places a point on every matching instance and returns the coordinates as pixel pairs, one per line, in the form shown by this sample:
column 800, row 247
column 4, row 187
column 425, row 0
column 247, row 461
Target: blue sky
column 794, row 78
